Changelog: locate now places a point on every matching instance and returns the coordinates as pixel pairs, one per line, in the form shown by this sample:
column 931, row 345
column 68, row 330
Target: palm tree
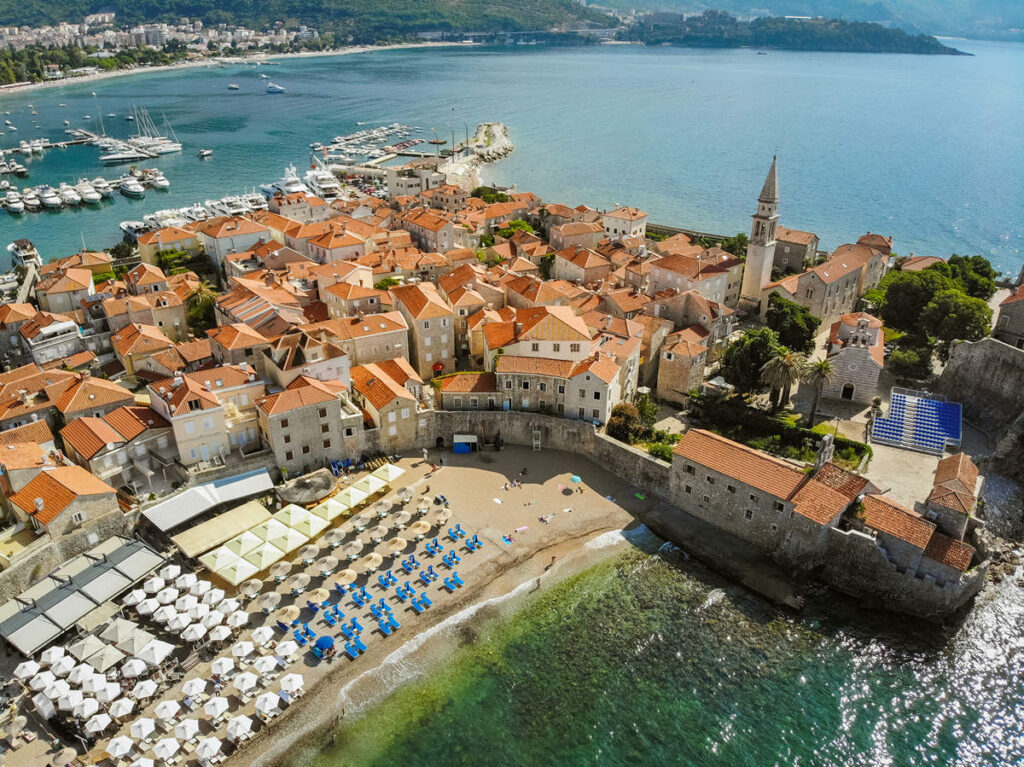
column 201, row 297
column 781, row 372
column 816, row 374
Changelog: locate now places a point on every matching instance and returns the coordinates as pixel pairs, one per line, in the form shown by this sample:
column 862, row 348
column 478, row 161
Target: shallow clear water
column 650, row 660
column 926, row 148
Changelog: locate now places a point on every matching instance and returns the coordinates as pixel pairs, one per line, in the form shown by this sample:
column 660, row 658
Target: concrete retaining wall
column 985, row 376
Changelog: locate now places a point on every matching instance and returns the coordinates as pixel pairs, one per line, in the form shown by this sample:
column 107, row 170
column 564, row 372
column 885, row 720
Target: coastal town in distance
column 257, row 451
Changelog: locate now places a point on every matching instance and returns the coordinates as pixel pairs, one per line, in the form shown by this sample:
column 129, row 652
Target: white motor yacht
column 236, row 206
column 23, row 253
column 216, row 207
column 24, row 148
column 130, row 187
column 155, row 179
column 195, row 213
column 68, row 195
column 14, row 203
column 31, row 200
column 102, row 186
column 272, row 88
column 289, row 184
column 132, row 229
column 255, row 201
column 50, row 198
column 88, row 193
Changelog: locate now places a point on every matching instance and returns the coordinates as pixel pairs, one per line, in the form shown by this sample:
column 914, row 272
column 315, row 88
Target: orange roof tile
column 740, row 462
column 34, row 431
column 465, row 383
column 236, row 336
column 136, row 338
column 57, row 488
column 379, row 389
column 949, row 551
column 887, row 516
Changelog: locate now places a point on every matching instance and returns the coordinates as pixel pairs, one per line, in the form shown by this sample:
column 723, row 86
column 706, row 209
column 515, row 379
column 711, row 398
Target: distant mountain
column 364, row 20
column 978, row 18
column 718, row 29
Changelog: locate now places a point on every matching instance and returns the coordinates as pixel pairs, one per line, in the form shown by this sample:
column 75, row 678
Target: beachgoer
column 523, row 472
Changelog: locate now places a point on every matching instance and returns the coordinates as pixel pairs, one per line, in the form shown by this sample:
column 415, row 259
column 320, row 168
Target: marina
column 83, row 193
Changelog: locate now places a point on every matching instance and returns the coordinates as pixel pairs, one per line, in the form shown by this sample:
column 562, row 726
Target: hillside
column 969, row 18
column 364, row 20
column 717, row 29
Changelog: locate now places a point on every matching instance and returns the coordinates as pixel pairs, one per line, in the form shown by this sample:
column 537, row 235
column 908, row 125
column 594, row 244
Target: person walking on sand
column 425, row 456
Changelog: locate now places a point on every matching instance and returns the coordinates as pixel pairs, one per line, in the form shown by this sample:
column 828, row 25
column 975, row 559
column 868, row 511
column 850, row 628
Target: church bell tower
column 757, row 272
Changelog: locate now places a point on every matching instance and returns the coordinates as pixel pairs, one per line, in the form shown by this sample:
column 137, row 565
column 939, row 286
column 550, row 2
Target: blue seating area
column 920, row 423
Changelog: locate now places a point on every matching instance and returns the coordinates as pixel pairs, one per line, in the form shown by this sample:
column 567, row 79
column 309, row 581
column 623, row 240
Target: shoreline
column 348, row 692
column 215, row 62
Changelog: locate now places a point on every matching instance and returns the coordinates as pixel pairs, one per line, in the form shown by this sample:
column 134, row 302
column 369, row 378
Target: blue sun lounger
column 329, row 619
column 425, row 599
column 356, row 625
column 346, row 631
column 283, row 626
column 450, row 585
column 359, row 645
column 416, row 606
column 300, row 640
column 457, row 579
column 338, row 613
column 385, row 629
column 314, row 608
column 351, row 651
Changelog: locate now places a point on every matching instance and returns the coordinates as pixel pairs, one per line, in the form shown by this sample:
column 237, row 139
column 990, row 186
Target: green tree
column 122, row 250
column 744, row 358
column 387, row 282
column 906, row 296
column 513, row 226
column 660, row 450
column 547, row 263
column 910, row 362
column 816, row 375
column 736, row 245
column 625, row 423
column 974, row 274
column 781, row 372
column 953, row 315
column 794, row 324
column 648, row 411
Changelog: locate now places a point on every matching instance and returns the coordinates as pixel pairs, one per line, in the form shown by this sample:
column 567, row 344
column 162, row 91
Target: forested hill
column 717, row 29
column 364, row 20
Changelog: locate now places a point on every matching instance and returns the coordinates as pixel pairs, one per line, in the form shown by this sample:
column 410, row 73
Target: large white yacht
column 289, row 184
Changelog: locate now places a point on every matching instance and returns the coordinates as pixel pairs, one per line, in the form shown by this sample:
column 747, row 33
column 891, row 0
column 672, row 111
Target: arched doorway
column 848, row 391
column 439, row 442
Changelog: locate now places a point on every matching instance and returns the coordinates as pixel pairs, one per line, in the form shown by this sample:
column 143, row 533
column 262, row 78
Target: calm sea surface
column 928, row 149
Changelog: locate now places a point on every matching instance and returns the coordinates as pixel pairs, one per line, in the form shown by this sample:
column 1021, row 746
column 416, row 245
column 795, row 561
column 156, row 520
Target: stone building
column 684, row 355
column 236, row 343
column 794, row 250
column 164, row 310
column 431, row 328
column 580, row 265
column 624, row 222
column 576, row 234
column 62, row 499
column 757, row 272
column 857, row 353
column 1009, row 327
column 145, row 278
column 712, row 272
column 954, row 494
column 302, row 351
column 64, row 290
column 389, row 393
column 469, row 391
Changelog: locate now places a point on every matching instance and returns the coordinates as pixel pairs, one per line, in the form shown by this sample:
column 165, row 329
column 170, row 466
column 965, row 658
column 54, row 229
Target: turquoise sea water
column 651, row 660
column 926, row 148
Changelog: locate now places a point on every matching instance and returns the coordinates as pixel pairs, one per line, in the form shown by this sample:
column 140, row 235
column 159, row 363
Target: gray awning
column 200, row 499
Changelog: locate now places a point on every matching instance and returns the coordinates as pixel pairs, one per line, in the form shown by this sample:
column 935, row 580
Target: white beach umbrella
column 242, row 649
column 198, row 612
column 292, row 682
column 166, row 748
column 333, row 537
column 286, row 648
column 143, row 761
column 266, row 702
column 166, row 596
column 239, row 726
column 94, row 683
column 144, row 689
column 219, row 633
column 265, row 664
column 69, row 700
column 164, row 614
column 178, row 623
column 345, row 577
column 120, row 746
column 215, row 706
column 111, row 691
column 105, row 658
column 85, row 647
column 228, row 606
column 378, row 534
column 186, row 729
column 119, row 629
column 142, row 727
column 199, row 588
column 213, row 596
column 185, row 581
column 156, row 652
column 245, row 681
column 195, row 686
column 185, row 603
column 51, row 655
column 212, row 619
column 97, row 724
column 86, row 708
column 238, row 619
column 262, row 635
column 353, row 547
column 166, row 710
column 80, row 673
column 153, row 585
column 41, row 680
column 132, row 668
column 26, row 670
column 297, row 582
column 251, row 588
column 208, row 748
column 309, row 552
column 222, row 665
column 57, row 690
column 147, row 607
column 169, row 572
column 121, row 707
column 194, row 632
column 133, row 597
column 327, row 565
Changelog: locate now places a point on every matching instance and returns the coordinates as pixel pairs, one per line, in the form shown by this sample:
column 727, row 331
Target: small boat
column 31, row 200
column 67, row 122
column 129, row 118
column 206, row 153
column 265, row 77
column 111, row 114
column 69, row 195
column 132, row 229
column 86, row 117
column 34, row 112
column 11, row 127
column 14, row 203
column 155, row 179
column 102, row 186
column 130, row 187
column 232, row 86
column 49, row 198
column 24, row 253
column 87, row 192
column 62, row 105
column 272, row 88
column 19, row 170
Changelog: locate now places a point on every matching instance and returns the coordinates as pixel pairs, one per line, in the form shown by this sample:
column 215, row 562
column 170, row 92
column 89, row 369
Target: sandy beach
column 215, row 62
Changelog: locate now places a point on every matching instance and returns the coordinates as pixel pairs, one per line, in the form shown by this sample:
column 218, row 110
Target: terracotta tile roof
column 422, row 300
column 949, row 551
column 627, row 299
column 230, row 226
column 145, row 274
column 114, row 307
column 68, row 281
column 583, row 258
column 34, row 431
column 1017, row 295
column 465, row 383
column 749, row 466
column 844, row 482
column 920, row 263
column 379, row 389
column 957, row 468
column 86, row 259
column 197, row 391
column 136, row 338
column 887, row 516
column 308, row 392
column 194, row 351
column 23, row 455
column 349, row 292
column 542, row 366
column 90, row 435
column 58, row 488
column 701, row 264
column 351, row 328
column 41, row 320
column 11, row 314
column 819, row 502
column 238, row 335
column 877, row 241
column 629, row 214
column 599, row 365
column 130, row 421
column 794, row 235
column 87, row 392
column 574, row 228
column 165, row 235
column 400, row 371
